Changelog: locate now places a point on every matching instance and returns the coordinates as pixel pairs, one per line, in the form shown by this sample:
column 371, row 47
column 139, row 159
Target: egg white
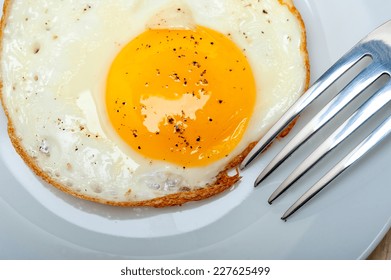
column 55, row 61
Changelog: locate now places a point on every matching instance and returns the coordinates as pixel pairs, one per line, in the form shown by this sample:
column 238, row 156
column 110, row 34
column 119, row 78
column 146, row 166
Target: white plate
column 346, row 221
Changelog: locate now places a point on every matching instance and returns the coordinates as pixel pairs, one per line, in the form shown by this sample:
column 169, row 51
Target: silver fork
column 376, row 45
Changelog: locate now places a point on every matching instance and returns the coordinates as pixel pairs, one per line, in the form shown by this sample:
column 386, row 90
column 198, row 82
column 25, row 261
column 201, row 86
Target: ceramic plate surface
column 346, row 221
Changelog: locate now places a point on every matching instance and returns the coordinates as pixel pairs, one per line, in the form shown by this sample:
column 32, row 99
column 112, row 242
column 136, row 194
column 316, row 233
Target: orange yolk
column 182, row 96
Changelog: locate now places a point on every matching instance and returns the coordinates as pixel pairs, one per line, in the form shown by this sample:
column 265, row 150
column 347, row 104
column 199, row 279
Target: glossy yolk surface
column 182, row 96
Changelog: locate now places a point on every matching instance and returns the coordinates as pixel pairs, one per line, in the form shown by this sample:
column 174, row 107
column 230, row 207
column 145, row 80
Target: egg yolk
column 182, row 96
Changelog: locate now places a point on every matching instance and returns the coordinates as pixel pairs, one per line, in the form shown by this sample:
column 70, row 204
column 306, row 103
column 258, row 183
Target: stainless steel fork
column 376, row 45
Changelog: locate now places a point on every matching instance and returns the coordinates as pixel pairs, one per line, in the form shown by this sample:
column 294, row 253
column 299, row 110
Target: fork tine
column 374, row 138
column 368, row 109
column 351, row 91
column 328, row 78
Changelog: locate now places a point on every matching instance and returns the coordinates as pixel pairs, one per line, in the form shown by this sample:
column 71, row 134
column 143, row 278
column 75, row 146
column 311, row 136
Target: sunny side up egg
column 146, row 102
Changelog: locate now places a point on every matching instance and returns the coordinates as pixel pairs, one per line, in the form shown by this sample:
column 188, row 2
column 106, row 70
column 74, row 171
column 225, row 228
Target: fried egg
column 141, row 102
